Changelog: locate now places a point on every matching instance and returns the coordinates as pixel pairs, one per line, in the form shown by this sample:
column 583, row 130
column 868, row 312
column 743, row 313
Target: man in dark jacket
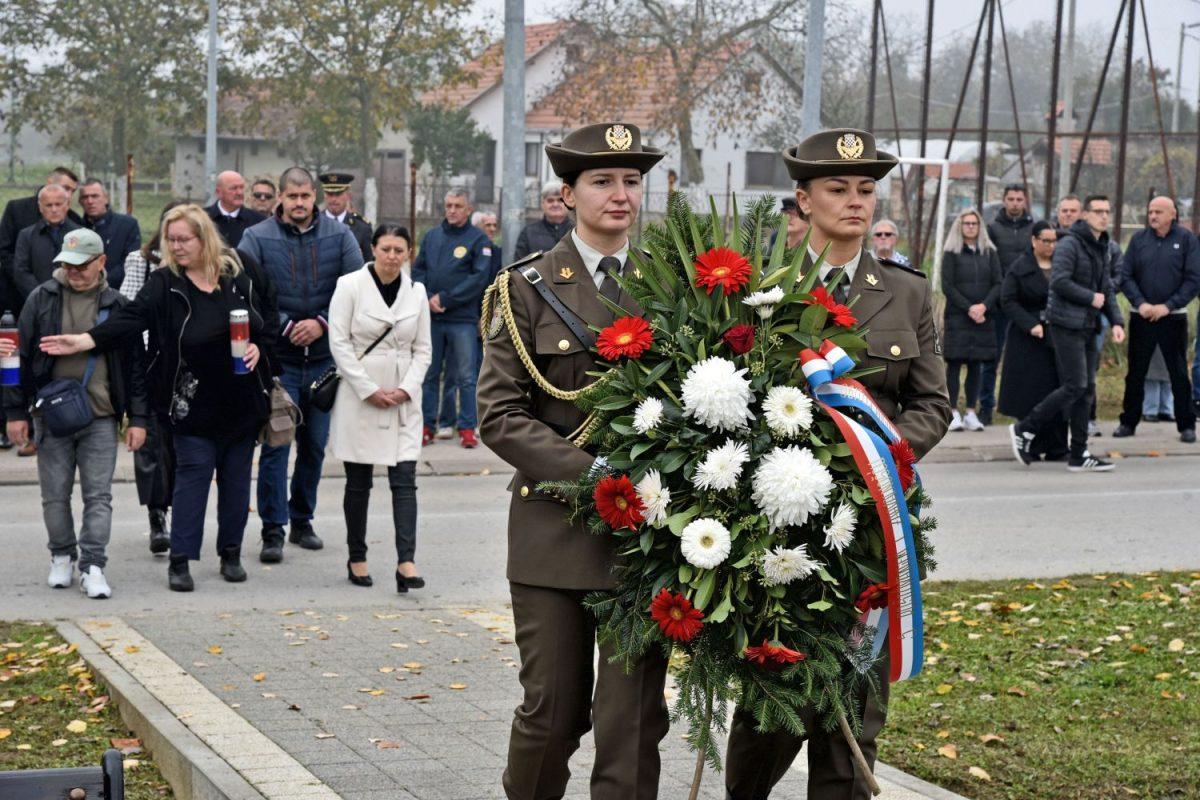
column 120, row 232
column 336, row 188
column 1160, row 274
column 1010, row 231
column 454, row 264
column 302, row 254
column 229, row 212
column 72, row 301
column 38, row 244
column 1081, row 289
column 554, row 224
column 18, row 215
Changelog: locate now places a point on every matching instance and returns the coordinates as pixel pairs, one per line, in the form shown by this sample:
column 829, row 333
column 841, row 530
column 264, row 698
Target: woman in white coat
column 377, row 413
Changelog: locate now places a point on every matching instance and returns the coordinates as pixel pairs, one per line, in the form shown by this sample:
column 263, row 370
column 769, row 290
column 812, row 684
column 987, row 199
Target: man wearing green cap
column 538, row 356
column 75, row 297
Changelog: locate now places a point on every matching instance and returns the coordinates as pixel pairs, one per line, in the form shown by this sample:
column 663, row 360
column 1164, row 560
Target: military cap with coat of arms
column 335, row 182
column 841, row 151
column 605, row 144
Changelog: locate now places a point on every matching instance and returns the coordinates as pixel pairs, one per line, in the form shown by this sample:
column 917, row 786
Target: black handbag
column 323, row 391
column 64, row 402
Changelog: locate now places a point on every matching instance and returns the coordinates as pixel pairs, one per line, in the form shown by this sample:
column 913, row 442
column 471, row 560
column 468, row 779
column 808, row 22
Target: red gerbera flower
column 905, row 459
column 740, row 338
column 628, row 336
column 722, row 267
column 874, row 596
column 676, row 616
column 618, row 503
column 773, row 657
column 841, row 314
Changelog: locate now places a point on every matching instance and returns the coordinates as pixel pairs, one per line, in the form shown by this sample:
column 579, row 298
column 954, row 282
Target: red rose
column 874, row 596
column 617, row 502
column 906, row 459
column 773, row 657
column 740, row 338
column 676, row 616
column 628, row 336
column 841, row 314
column 722, row 267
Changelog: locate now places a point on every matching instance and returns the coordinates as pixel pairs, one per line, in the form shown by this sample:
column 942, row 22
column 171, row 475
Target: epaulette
column 520, row 262
column 889, row 263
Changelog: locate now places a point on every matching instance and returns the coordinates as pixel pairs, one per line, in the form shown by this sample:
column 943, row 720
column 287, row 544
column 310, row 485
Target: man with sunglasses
column 884, row 237
column 541, row 236
column 263, row 197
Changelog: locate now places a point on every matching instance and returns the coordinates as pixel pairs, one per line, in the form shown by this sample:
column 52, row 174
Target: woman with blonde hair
column 971, row 279
column 215, row 405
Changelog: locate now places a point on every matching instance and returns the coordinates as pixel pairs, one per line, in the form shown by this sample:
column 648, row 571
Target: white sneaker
column 62, row 570
column 956, row 422
column 445, row 433
column 971, row 422
column 93, row 584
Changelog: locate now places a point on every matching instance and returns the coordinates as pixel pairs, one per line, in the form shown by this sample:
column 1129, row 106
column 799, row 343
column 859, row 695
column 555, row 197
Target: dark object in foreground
column 104, row 782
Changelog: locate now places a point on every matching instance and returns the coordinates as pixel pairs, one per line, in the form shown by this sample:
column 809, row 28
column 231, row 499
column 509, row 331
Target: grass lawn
column 1085, row 687
column 53, row 714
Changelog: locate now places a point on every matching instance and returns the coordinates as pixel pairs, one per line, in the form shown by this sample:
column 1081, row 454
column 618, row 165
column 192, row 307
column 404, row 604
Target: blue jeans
column 988, row 372
column 1158, row 400
column 196, row 458
column 93, row 451
column 454, row 352
column 448, row 411
column 274, row 505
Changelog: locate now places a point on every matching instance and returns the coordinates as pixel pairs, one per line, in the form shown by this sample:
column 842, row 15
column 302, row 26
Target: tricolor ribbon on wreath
column 899, row 622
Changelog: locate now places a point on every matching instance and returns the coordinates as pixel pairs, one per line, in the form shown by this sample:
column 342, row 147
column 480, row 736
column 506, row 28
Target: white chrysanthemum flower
column 705, row 543
column 788, row 411
column 784, row 565
column 764, row 302
column 648, row 414
column 654, row 496
column 722, row 466
column 717, row 394
column 790, row 485
column 840, row 530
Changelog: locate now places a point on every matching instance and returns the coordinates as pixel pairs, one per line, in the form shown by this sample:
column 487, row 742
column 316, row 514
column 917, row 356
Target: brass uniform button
column 563, row 344
column 895, row 349
column 524, row 491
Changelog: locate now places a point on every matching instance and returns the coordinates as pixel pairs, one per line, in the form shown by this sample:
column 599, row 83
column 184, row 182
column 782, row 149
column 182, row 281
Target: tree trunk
column 366, row 131
column 117, row 157
column 689, row 162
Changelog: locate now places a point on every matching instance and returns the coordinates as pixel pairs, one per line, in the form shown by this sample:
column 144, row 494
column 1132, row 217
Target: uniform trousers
column 556, row 637
column 755, row 762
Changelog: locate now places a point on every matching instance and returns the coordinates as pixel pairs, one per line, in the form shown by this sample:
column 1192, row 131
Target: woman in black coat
column 1029, row 372
column 971, row 283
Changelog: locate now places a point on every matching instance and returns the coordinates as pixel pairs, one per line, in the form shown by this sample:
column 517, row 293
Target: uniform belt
column 577, row 326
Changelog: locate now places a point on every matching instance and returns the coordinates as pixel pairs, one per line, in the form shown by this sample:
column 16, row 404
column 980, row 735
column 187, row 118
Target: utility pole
column 210, row 132
column 1127, row 79
column 984, row 107
column 512, row 200
column 1183, row 34
column 1068, row 116
column 814, row 45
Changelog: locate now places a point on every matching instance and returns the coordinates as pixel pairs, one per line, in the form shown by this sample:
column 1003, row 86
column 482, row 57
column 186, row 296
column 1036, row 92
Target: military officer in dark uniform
column 536, row 360
column 835, row 173
column 336, row 188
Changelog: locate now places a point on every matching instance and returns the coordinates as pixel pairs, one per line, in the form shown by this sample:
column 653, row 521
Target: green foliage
column 447, row 139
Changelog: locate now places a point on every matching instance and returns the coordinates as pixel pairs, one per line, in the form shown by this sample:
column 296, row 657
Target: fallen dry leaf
column 1175, row 645
column 259, row 677
column 133, row 648
column 399, row 645
column 943, row 734
column 385, row 744
column 76, row 726
column 458, row 686
column 326, row 735
column 980, row 773
column 1016, row 690
column 387, row 670
column 5, row 733
column 948, row 751
column 944, row 688
column 59, row 742
column 413, row 665
column 988, row 738
column 130, row 763
column 24, row 747
column 216, row 649
column 1162, row 676
column 417, row 697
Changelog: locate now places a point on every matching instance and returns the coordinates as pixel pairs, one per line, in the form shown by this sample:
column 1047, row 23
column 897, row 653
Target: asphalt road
column 995, row 520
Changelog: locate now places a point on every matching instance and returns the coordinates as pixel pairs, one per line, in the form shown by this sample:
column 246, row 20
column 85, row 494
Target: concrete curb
column 194, row 771
column 914, row 784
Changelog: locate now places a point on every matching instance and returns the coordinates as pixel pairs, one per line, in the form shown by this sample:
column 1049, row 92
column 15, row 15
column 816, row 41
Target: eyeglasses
column 180, row 241
column 967, row 224
column 883, row 234
column 1046, row 241
column 80, row 267
column 263, row 196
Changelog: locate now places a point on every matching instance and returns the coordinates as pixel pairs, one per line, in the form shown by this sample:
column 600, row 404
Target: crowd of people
column 135, row 342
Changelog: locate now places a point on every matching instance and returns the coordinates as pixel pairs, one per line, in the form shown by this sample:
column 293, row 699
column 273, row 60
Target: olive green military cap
column 605, row 144
column 841, row 151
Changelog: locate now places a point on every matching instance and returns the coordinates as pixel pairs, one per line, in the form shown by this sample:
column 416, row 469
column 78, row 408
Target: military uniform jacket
column 894, row 305
column 362, row 234
column 528, row 427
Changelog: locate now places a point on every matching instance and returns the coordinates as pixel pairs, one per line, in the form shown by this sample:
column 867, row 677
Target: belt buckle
column 536, row 276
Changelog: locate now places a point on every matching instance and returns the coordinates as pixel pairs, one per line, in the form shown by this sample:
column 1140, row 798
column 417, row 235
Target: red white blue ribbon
column 900, row 622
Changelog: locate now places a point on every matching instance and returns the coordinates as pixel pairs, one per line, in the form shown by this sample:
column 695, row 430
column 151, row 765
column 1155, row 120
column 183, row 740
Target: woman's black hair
column 151, row 247
column 1039, row 226
column 391, row 230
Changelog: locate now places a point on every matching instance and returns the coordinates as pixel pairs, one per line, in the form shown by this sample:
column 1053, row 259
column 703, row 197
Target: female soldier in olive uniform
column 835, row 173
column 537, row 358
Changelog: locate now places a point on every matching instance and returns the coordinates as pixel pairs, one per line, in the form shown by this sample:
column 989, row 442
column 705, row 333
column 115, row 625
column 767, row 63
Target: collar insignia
column 850, row 147
column 618, row 138
column 871, row 279
column 566, row 273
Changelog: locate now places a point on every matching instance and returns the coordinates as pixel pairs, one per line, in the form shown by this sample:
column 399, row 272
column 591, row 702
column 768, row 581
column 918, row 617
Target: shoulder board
column 889, row 263
column 529, row 259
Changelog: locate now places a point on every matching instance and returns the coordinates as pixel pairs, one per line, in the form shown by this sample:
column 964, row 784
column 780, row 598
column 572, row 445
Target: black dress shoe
column 160, row 540
column 272, row 544
column 1188, row 436
column 179, row 579
column 1122, row 431
column 358, row 580
column 303, row 535
column 231, row 567
column 414, row 582
column 5, row 442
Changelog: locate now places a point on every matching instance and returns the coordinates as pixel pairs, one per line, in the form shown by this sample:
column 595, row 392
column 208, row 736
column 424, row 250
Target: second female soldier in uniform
column 835, row 173
column 537, row 358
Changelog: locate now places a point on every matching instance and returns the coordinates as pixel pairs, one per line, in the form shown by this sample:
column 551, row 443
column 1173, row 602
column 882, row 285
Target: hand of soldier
column 306, row 332
column 1037, row 331
column 1118, row 334
column 1098, row 300
column 435, row 304
column 381, row 398
column 135, row 438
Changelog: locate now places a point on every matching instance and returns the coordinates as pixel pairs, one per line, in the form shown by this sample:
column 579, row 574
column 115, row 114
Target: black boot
column 272, row 544
column 160, row 540
column 178, row 577
column 231, row 565
column 303, row 535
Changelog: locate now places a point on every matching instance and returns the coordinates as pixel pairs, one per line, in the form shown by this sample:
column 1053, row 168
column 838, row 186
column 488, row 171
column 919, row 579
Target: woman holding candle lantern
column 208, row 305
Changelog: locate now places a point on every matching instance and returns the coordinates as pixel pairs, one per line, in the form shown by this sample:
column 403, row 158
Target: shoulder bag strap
column 382, row 336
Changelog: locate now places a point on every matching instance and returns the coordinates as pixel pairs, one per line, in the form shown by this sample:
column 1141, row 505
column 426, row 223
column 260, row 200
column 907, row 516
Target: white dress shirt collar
column 340, row 217
column 850, row 266
column 591, row 256
column 231, row 214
